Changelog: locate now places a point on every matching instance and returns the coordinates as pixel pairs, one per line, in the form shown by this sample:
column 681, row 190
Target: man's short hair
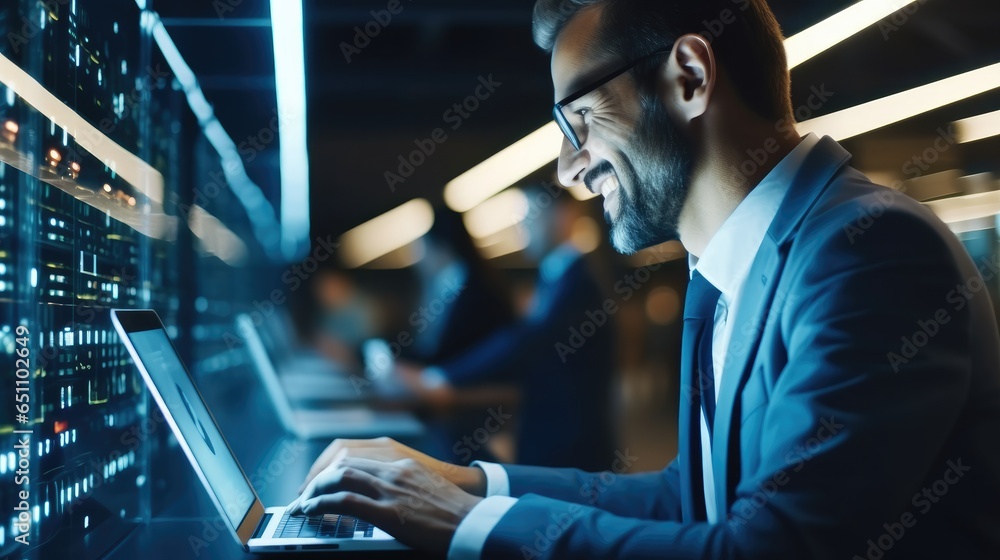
column 744, row 34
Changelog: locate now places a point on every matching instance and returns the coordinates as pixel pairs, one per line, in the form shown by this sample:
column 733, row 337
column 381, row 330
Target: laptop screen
column 197, row 428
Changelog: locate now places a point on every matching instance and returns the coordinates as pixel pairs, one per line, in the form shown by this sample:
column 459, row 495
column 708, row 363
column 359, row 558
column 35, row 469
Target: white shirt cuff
column 497, row 481
column 471, row 534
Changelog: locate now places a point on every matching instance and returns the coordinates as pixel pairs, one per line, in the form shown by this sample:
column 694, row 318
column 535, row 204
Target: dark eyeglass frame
column 557, row 110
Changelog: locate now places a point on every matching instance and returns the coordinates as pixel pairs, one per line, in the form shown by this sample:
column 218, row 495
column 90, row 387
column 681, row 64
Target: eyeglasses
column 571, row 123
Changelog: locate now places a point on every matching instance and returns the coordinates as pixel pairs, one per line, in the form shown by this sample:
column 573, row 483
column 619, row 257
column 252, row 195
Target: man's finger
column 342, row 478
column 377, row 468
column 350, row 479
column 338, row 446
column 345, row 503
column 381, row 454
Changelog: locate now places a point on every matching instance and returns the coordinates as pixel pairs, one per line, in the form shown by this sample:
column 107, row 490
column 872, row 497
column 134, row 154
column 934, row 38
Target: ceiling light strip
column 901, row 106
column 838, row 27
column 290, row 80
column 386, row 233
column 978, row 128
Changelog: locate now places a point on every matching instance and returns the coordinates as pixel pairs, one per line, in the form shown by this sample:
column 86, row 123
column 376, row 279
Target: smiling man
column 812, row 424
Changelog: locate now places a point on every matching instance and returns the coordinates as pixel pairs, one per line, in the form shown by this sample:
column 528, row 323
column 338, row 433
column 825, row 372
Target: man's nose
column 573, row 164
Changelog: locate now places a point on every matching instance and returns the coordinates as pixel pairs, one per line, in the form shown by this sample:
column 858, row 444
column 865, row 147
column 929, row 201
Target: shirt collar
column 730, row 253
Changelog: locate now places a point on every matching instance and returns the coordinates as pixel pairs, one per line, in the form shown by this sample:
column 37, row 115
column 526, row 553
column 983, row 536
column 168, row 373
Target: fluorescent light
column 894, row 108
column 258, row 208
column 128, row 166
column 503, row 169
column 216, row 238
column 978, row 128
column 968, row 207
column 834, row 29
column 290, row 80
column 386, row 233
column 542, row 146
column 508, row 241
column 504, row 210
column 401, row 258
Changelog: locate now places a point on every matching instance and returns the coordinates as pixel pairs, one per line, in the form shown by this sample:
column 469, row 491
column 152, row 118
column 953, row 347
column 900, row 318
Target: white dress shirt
column 725, row 263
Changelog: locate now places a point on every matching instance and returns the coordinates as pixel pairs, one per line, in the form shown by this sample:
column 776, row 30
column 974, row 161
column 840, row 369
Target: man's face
column 631, row 151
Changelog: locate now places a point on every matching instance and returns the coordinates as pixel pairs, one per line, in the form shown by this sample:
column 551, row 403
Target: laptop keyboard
column 329, row 526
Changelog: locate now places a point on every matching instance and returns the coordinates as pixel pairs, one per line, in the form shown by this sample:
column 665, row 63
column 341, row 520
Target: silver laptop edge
column 246, row 530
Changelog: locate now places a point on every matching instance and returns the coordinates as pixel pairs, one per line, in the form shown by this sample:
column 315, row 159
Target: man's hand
column 469, row 479
column 404, row 498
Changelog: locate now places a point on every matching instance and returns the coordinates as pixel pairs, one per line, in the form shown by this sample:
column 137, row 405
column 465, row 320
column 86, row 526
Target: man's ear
column 687, row 79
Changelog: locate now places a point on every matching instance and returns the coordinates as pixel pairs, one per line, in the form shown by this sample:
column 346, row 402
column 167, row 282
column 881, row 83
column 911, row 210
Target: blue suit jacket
column 564, row 418
column 859, row 412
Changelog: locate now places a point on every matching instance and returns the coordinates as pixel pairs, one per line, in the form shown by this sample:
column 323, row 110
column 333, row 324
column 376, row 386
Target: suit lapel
column 756, row 299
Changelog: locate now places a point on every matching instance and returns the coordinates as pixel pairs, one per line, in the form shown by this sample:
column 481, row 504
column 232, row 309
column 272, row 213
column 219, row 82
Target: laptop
column 308, row 378
column 347, row 422
column 256, row 528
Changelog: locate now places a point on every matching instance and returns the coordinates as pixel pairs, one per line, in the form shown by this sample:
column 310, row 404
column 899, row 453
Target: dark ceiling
column 366, row 112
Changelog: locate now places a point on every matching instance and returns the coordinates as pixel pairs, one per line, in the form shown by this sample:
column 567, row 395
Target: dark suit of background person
column 839, row 425
column 564, row 418
column 463, row 301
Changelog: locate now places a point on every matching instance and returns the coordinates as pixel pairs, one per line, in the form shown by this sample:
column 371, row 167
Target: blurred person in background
column 462, row 301
column 345, row 317
column 564, row 418
column 462, row 297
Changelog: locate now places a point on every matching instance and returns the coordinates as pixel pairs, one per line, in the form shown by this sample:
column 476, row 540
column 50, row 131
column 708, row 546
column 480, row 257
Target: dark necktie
column 699, row 324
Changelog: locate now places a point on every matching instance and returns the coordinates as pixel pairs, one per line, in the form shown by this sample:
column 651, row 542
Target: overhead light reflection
column 838, row 27
column 900, row 106
column 506, row 242
column 506, row 209
column 503, row 169
column 386, row 233
column 977, row 128
column 290, row 80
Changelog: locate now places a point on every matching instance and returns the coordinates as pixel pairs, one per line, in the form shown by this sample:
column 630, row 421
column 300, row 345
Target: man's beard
column 657, row 171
